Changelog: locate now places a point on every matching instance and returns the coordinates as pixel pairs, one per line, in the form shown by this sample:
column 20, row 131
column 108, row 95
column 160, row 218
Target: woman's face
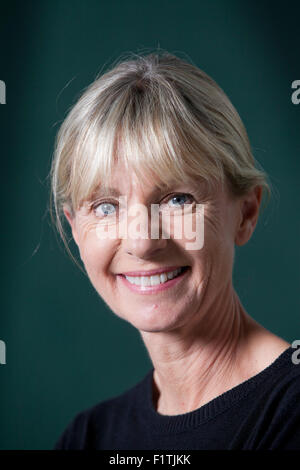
column 177, row 302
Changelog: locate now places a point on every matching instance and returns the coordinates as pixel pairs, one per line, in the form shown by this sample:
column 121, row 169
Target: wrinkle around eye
column 87, row 224
column 213, row 220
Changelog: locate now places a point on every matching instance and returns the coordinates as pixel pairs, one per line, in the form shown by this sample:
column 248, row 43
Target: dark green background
column 65, row 350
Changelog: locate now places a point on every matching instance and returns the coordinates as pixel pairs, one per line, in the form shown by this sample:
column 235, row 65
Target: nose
column 139, row 240
column 145, row 249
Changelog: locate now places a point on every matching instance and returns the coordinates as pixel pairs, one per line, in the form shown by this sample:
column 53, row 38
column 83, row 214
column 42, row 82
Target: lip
column 165, row 269
column 154, row 289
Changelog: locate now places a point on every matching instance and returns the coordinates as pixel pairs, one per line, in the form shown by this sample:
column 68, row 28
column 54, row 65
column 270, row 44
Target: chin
column 153, row 320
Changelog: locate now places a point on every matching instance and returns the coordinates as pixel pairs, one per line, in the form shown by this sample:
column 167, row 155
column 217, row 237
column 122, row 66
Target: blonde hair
column 174, row 121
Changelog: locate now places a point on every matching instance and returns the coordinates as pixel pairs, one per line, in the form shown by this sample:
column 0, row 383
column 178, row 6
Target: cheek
column 96, row 253
column 218, row 249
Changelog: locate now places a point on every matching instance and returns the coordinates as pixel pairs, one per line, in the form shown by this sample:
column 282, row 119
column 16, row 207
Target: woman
column 156, row 132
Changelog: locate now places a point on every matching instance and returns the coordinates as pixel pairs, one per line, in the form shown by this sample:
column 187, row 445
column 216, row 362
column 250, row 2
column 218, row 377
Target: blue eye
column 179, row 196
column 105, row 210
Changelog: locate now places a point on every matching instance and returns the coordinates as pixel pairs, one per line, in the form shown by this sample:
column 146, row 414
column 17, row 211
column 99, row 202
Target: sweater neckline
column 178, row 423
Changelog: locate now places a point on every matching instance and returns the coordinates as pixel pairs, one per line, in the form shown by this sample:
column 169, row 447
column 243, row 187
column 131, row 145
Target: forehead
column 129, row 173
column 132, row 186
column 152, row 188
column 125, row 179
column 137, row 165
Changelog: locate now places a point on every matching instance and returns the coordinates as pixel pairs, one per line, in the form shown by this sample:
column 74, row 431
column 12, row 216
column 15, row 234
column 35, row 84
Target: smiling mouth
column 155, row 280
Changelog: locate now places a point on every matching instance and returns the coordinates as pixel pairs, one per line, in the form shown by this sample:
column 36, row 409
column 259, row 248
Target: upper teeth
column 153, row 280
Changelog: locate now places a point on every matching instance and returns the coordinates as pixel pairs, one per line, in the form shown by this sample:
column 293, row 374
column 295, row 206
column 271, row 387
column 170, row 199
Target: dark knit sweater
column 262, row 412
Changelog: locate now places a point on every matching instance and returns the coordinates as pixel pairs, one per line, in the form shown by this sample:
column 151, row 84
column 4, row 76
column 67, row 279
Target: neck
column 195, row 363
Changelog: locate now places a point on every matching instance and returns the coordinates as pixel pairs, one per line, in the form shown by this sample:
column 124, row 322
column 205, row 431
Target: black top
column 262, row 412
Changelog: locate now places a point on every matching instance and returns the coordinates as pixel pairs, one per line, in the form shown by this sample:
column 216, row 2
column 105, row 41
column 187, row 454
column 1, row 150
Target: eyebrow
column 102, row 192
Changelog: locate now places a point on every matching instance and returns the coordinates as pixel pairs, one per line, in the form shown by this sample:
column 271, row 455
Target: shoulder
column 282, row 405
column 285, row 372
column 284, row 428
column 88, row 425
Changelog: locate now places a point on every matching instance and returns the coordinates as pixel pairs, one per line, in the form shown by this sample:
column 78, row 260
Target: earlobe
column 249, row 211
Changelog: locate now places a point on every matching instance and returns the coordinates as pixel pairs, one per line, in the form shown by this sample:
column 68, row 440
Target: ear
column 248, row 215
column 72, row 221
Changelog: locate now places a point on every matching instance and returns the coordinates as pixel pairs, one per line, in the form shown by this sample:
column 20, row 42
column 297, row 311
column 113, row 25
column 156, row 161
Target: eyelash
column 108, row 201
